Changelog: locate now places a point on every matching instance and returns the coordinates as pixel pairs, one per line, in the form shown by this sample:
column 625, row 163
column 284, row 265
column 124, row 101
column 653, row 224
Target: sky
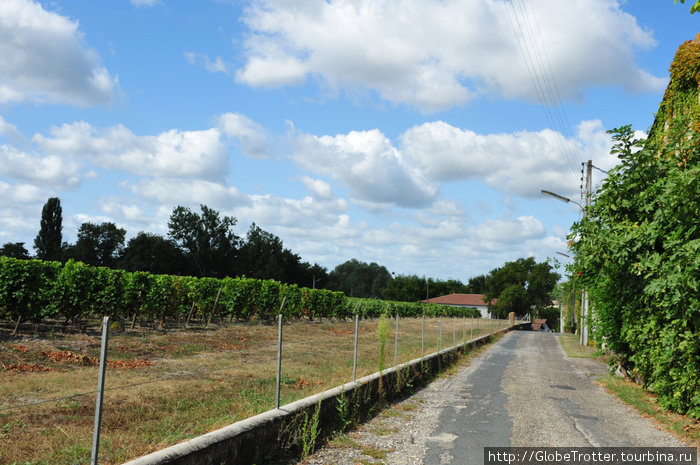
column 417, row 134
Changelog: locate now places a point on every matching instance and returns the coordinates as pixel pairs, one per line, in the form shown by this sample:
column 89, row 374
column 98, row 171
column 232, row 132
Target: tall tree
column 14, row 250
column 156, row 254
column 694, row 8
column 521, row 286
column 207, row 239
column 477, row 284
column 48, row 242
column 359, row 279
column 262, row 255
column 98, row 244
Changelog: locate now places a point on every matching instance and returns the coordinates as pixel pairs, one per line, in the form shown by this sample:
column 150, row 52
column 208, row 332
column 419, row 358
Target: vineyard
column 35, row 290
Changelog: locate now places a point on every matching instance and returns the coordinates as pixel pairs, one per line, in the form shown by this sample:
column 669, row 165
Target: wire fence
column 164, row 388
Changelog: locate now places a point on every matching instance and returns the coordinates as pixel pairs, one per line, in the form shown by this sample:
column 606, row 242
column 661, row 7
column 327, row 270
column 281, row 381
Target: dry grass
column 199, row 380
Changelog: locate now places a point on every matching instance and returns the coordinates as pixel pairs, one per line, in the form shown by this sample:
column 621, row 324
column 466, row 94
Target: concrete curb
column 252, row 440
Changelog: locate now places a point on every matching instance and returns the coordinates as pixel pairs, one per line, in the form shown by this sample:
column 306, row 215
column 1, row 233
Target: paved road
column 526, row 392
column 523, row 391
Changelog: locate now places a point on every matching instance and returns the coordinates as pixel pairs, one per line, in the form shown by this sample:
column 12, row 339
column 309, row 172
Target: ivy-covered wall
column 638, row 250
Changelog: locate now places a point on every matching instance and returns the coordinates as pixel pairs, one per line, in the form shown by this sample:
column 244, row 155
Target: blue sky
column 416, row 134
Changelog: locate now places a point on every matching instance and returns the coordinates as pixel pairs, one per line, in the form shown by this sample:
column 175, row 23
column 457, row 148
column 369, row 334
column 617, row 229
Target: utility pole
column 584, row 300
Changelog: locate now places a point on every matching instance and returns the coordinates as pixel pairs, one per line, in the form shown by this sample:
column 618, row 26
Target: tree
column 48, row 242
column 413, row 288
column 521, row 286
column 155, row 254
column 98, row 244
column 359, row 279
column 637, row 248
column 477, row 284
column 694, row 8
column 207, row 239
column 14, row 250
column 262, row 256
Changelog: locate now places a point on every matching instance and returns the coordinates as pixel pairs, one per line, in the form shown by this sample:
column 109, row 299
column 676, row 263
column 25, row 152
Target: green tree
column 48, row 242
column 637, row 248
column 98, row 244
column 477, row 284
column 14, row 250
column 155, row 254
column 359, row 279
column 413, row 288
column 262, row 255
column 207, row 239
column 694, row 8
column 521, row 286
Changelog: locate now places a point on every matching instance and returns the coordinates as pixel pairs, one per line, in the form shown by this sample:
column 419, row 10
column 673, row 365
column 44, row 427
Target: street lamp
column 561, row 197
column 584, row 302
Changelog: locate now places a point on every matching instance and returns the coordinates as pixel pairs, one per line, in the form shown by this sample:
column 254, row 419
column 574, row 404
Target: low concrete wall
column 252, row 440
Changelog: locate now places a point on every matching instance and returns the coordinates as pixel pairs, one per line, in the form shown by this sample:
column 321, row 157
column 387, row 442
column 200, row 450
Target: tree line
column 204, row 244
column 201, row 244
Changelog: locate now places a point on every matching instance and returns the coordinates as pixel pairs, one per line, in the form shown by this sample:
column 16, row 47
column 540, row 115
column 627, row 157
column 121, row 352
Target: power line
column 542, row 77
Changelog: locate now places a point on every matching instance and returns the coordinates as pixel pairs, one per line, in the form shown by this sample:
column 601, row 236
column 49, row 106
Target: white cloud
column 24, row 194
column 216, row 66
column 44, row 59
column 435, row 54
column 520, row 163
column 508, row 231
column 192, row 192
column 251, row 136
column 318, row 188
column 49, row 171
column 174, row 153
column 368, row 164
column 10, row 131
column 146, row 3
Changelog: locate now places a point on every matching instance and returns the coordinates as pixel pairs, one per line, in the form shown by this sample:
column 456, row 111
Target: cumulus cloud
column 144, row 3
column 188, row 192
column 174, row 153
column 368, row 164
column 251, row 136
column 318, row 188
column 24, row 194
column 213, row 66
column 48, row 171
column 435, row 54
column 508, row 230
column 45, row 59
column 518, row 163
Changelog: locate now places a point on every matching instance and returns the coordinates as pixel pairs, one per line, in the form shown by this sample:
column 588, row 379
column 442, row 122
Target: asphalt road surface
column 523, row 391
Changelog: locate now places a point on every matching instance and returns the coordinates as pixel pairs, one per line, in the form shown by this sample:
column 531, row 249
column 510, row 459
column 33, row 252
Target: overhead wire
column 532, row 50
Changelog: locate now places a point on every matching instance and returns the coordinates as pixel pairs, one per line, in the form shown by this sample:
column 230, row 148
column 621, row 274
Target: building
column 463, row 300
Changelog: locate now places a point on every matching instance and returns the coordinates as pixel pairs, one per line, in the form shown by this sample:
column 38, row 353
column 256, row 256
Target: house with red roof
column 463, row 300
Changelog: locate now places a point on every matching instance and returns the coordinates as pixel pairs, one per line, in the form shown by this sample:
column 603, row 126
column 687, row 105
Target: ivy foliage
column 637, row 250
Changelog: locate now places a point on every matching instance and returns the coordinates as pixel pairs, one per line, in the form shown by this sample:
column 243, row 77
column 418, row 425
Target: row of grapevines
column 32, row 290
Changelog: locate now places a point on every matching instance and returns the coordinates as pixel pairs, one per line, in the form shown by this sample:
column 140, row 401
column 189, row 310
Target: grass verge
column 681, row 426
column 168, row 387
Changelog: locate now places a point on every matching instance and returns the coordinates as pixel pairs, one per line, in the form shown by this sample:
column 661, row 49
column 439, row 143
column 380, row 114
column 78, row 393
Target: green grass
column 683, row 427
column 199, row 380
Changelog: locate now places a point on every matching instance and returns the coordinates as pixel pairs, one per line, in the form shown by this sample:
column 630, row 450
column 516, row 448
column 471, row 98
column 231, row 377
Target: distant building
column 463, row 300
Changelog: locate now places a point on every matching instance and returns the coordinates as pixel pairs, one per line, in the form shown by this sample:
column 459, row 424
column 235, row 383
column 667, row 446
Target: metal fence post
column 279, row 362
column 100, row 392
column 471, row 335
column 464, row 331
column 440, row 338
column 422, row 338
column 354, row 357
column 396, row 339
column 454, row 331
